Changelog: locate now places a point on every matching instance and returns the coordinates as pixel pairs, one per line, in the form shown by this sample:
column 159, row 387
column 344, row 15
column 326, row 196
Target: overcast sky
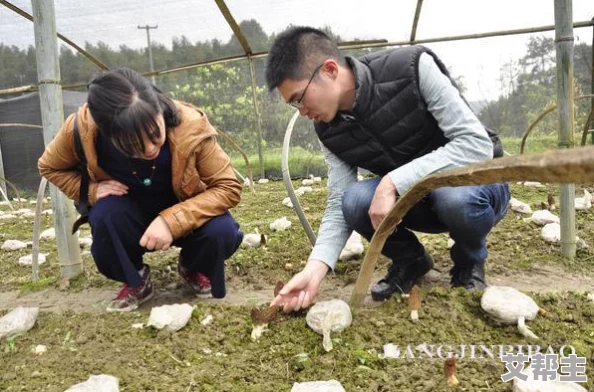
column 477, row 61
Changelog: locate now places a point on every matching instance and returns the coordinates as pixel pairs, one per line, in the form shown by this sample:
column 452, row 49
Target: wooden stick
column 565, row 166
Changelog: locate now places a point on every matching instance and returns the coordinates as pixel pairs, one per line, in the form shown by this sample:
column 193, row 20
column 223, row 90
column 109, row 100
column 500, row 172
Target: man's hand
column 383, row 201
column 111, row 187
column 157, row 236
column 303, row 288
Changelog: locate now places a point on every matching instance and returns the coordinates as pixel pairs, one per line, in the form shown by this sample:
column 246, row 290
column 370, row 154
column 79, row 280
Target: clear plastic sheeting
column 197, row 58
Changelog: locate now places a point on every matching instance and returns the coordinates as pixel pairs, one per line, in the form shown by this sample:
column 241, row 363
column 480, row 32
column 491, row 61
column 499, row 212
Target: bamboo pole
column 575, row 165
column 2, row 175
column 564, row 50
column 258, row 118
column 19, row 125
column 413, row 32
column 52, row 116
column 592, row 80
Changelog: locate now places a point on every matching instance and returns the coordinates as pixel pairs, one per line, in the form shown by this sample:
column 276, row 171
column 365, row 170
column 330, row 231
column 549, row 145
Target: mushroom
column 261, row 317
column 507, row 305
column 414, row 303
column 519, row 206
column 353, row 248
column 280, row 224
column 551, row 201
column 329, row 316
column 449, row 368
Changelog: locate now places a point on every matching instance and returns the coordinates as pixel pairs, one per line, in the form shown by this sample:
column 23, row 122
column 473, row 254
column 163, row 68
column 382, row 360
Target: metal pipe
column 564, row 50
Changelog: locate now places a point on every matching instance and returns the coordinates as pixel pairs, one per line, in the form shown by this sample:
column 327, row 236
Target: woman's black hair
column 125, row 105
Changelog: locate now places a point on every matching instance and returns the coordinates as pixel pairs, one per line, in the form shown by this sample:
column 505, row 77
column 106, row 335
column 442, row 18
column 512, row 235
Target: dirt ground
column 82, row 339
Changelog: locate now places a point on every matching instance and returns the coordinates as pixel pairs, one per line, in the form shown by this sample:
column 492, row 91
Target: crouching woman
column 156, row 178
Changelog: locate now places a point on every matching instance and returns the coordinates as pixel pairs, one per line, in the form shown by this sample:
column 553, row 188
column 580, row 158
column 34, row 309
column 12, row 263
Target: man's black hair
column 296, row 52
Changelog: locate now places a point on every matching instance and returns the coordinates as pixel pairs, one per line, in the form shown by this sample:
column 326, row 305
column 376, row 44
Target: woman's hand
column 111, row 187
column 157, row 236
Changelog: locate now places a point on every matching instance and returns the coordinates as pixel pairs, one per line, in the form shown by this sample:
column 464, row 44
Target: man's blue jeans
column 468, row 213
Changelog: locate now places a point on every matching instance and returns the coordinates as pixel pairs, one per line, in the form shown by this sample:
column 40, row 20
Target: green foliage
column 529, row 88
column 302, row 163
column 225, row 93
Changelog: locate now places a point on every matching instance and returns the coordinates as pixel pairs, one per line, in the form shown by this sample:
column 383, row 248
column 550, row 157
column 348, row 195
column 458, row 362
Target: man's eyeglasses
column 298, row 104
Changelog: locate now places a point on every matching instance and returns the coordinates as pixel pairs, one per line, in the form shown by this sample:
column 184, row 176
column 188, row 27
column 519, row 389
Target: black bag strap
column 82, row 205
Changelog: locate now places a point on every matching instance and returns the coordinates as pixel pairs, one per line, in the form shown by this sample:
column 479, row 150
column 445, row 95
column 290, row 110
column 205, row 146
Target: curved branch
column 589, row 123
column 574, row 165
column 540, row 117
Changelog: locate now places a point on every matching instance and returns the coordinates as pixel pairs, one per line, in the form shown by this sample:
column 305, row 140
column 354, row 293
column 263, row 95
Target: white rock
column 23, row 211
column 20, row 319
column 48, row 234
column 207, row 320
column 317, row 179
column 263, row 181
column 287, row 202
column 39, row 349
column 359, row 177
column 534, row 184
column 543, row 217
column 551, row 233
column 28, row 259
column 21, row 200
column 329, row 316
column 4, row 203
column 246, row 182
column 85, row 241
column 47, row 212
column 85, row 252
column 353, row 248
column 532, row 385
column 28, row 215
column 281, row 224
column 303, row 189
column 100, row 383
column 138, row 325
column 590, row 297
column 13, row 245
column 207, row 351
column 33, row 201
column 318, row 386
column 451, row 243
column 7, row 216
column 519, row 206
column 583, row 203
column 307, row 181
column 172, row 317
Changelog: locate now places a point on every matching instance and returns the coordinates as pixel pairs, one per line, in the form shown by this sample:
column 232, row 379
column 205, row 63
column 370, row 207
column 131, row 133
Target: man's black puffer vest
column 389, row 125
